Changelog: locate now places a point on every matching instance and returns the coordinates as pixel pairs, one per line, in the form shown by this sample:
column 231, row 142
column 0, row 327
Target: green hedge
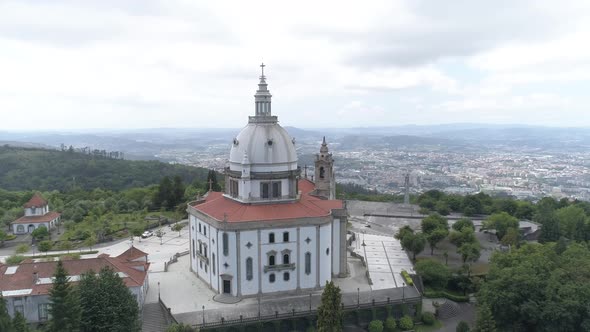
column 407, row 277
column 441, row 293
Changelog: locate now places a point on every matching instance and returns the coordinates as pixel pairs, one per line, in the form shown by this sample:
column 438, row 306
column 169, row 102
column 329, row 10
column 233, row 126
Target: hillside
column 46, row 170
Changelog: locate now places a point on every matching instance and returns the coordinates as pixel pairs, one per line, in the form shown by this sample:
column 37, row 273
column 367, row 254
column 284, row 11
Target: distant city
column 521, row 161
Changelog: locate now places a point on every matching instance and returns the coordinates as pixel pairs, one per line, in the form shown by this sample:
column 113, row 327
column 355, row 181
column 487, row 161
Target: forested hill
column 46, row 170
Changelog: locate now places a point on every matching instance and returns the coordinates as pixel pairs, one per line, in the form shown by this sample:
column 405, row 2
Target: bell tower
column 325, row 184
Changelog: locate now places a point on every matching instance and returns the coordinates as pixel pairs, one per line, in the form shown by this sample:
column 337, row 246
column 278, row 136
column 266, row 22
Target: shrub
column 310, row 329
column 428, row 318
column 22, row 248
column 390, row 324
column 433, row 273
column 407, row 278
column 14, row 259
column 462, row 327
column 406, row 323
column 376, row 326
column 429, row 293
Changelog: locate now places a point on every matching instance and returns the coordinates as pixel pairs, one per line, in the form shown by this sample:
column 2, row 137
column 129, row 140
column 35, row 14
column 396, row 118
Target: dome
column 267, row 146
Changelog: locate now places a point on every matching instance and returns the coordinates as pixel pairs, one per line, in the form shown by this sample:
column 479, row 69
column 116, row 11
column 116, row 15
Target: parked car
column 147, row 234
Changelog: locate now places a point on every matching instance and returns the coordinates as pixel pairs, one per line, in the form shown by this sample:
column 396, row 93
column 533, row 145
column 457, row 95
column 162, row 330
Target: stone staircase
column 153, row 318
column 448, row 309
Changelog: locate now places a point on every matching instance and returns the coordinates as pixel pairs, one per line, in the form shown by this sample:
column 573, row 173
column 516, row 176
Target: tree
column 462, row 223
column 376, row 326
column 403, row 232
column 442, row 208
column 414, row 243
column 511, row 238
column 462, row 326
column 3, row 237
column 177, row 228
column 485, row 320
column 501, row 222
column 572, row 222
column 465, row 235
column 470, row 252
column 177, row 191
column 433, row 273
column 40, row 233
column 5, row 321
column 106, row 303
column 164, row 195
column 90, row 242
column 549, row 226
column 435, row 237
column 64, row 309
column 390, row 324
column 160, row 235
column 19, row 323
column 45, row 246
column 330, row 309
column 406, row 323
column 433, row 222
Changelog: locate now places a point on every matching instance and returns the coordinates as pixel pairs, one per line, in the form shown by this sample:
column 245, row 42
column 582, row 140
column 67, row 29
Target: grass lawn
column 427, row 328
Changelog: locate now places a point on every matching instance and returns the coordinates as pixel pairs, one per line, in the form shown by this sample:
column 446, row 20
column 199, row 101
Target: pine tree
column 20, row 323
column 330, row 309
column 107, row 304
column 163, row 197
column 177, row 191
column 64, row 308
column 5, row 321
column 485, row 321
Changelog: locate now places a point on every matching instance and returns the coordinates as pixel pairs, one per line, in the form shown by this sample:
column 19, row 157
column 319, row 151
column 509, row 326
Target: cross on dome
column 262, row 65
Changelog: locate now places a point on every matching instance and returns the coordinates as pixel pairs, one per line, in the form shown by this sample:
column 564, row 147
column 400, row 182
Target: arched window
column 20, row 229
column 225, row 239
column 249, row 273
column 286, row 276
column 286, row 259
column 271, row 260
column 213, row 263
column 194, row 249
column 322, row 172
column 327, row 251
column 307, row 263
column 271, row 278
column 271, row 238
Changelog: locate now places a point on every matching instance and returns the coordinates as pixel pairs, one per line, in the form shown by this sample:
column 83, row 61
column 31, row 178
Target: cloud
column 182, row 63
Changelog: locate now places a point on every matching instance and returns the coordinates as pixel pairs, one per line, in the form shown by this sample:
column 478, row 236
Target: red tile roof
column 308, row 206
column 36, row 201
column 49, row 216
column 23, row 277
column 132, row 254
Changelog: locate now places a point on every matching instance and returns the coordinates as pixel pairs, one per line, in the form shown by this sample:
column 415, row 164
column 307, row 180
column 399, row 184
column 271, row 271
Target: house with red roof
column 25, row 287
column 272, row 230
column 37, row 215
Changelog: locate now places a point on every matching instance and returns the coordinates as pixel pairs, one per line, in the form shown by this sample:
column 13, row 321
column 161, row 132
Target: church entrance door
column 227, row 287
column 31, row 228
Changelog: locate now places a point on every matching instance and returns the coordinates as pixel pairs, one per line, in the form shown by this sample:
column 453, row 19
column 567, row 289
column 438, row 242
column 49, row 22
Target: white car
column 147, row 234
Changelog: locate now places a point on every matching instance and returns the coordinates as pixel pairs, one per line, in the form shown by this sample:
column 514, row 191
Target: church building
column 270, row 230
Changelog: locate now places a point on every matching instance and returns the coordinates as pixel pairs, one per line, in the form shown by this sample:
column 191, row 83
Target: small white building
column 270, row 231
column 37, row 215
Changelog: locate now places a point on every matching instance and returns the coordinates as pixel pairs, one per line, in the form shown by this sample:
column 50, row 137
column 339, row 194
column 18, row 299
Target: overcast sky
column 149, row 63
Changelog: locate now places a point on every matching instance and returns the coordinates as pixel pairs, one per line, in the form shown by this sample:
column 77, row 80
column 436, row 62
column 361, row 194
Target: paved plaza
column 385, row 259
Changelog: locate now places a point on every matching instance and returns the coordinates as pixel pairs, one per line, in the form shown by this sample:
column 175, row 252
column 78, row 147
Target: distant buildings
column 37, row 215
column 25, row 287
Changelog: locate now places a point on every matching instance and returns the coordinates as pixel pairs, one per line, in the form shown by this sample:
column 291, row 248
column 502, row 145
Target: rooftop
column 222, row 208
column 49, row 216
column 36, row 201
column 21, row 280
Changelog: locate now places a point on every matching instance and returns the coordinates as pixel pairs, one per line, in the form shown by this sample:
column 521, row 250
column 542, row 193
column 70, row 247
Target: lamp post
column 203, row 315
column 309, row 302
column 358, row 297
column 158, row 290
column 404, row 292
column 258, row 305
